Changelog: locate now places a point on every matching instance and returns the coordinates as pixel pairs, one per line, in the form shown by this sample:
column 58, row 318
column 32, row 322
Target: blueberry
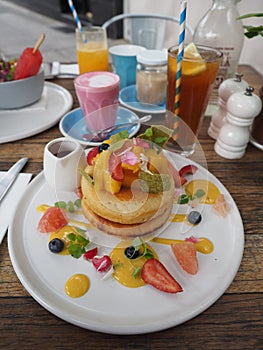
column 103, row 147
column 56, row 245
column 131, row 253
column 194, row 217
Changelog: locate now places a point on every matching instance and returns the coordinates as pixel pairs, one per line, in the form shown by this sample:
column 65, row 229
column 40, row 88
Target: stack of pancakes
column 131, row 211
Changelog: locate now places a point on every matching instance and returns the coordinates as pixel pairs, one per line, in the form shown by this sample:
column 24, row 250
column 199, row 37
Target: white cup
column 62, row 159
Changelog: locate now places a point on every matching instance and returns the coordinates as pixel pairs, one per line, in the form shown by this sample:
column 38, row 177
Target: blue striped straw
column 180, row 54
column 75, row 15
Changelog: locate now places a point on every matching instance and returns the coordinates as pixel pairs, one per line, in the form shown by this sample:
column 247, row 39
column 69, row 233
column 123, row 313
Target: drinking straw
column 75, row 15
column 180, row 54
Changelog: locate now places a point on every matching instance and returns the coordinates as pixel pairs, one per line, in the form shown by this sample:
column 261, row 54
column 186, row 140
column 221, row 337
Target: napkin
column 8, row 203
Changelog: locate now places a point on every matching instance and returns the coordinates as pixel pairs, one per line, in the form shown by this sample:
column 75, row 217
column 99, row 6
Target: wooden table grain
column 235, row 321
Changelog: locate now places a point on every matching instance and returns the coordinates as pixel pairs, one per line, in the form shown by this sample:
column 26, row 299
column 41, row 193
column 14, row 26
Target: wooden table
column 235, row 321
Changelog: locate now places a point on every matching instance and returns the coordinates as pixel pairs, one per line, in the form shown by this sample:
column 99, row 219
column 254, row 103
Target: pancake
column 127, row 231
column 127, row 206
column 128, row 190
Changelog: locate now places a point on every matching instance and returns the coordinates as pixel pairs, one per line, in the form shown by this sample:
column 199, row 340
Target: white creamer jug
column 62, row 159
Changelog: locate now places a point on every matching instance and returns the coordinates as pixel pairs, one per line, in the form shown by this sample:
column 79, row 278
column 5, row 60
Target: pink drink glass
column 96, row 90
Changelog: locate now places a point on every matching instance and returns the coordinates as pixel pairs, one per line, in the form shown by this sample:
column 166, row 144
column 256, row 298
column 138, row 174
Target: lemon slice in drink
column 195, row 65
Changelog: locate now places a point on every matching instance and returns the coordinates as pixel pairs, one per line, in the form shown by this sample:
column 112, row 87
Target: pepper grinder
column 226, row 89
column 242, row 108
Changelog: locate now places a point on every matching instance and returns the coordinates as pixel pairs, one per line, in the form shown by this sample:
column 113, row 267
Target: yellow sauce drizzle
column 179, row 218
column 77, row 285
column 211, row 191
column 203, row 245
column 124, row 268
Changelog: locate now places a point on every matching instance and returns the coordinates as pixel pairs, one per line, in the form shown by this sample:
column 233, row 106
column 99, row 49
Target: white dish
column 31, row 120
column 108, row 306
column 73, row 125
column 128, row 99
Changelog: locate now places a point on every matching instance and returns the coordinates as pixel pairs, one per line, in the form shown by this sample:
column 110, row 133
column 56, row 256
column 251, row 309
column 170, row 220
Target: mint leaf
column 70, row 205
column 71, row 236
column 61, row 204
column 86, row 176
column 76, row 250
column 77, row 203
column 199, row 193
column 136, row 272
column 183, row 199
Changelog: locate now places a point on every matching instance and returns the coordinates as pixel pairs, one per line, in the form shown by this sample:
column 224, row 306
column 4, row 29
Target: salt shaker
column 242, row 108
column 226, row 89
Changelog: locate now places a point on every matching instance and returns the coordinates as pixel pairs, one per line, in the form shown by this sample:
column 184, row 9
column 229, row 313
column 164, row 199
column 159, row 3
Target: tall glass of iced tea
column 199, row 68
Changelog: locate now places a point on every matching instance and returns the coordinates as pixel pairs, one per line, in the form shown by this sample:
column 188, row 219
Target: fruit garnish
column 115, row 167
column 154, row 183
column 194, row 217
column 220, row 206
column 195, row 65
column 92, row 154
column 102, row 263
column 52, row 220
column 185, row 254
column 178, row 180
column 156, row 274
column 89, row 255
column 189, row 169
column 29, row 61
column 131, row 252
column 56, row 245
column 103, row 147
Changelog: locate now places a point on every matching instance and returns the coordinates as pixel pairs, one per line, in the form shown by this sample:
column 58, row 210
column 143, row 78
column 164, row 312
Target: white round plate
column 73, row 125
column 108, row 306
column 21, row 123
column 128, row 99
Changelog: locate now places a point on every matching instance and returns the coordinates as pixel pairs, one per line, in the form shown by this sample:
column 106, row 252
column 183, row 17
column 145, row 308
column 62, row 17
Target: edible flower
column 129, row 158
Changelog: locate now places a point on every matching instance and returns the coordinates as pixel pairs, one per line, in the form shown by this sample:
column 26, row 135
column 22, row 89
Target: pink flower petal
column 129, row 158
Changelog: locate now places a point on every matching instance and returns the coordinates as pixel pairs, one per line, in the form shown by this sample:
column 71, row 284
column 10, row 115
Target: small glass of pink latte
column 95, row 91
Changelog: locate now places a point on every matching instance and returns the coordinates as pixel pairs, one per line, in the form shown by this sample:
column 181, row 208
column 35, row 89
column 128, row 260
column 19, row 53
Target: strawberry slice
column 178, row 179
column 115, row 167
column 102, row 263
column 185, row 254
column 52, row 220
column 156, row 274
column 89, row 255
column 92, row 154
column 189, row 169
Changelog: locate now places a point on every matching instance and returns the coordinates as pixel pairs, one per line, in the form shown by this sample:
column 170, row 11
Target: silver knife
column 8, row 179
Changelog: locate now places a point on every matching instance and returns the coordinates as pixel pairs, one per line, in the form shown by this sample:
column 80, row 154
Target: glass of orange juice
column 198, row 72
column 92, row 49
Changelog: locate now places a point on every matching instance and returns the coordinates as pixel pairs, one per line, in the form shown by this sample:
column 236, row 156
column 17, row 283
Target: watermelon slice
column 29, row 61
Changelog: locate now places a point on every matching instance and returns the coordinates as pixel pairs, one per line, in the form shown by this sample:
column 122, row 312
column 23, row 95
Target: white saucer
column 128, row 99
column 73, row 125
column 17, row 124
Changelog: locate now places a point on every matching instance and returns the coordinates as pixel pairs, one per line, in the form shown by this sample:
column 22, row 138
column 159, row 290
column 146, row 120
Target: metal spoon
column 102, row 134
